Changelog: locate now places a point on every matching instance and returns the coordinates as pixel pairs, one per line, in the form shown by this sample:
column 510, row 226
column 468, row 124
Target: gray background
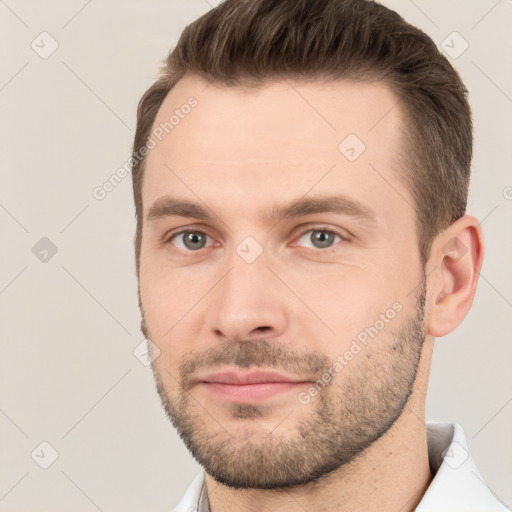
column 70, row 323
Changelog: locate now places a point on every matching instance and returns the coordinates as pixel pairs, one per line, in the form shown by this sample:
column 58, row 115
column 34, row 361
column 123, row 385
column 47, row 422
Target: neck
column 392, row 474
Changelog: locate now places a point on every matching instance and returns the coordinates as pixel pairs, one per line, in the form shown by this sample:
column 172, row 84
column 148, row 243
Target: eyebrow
column 168, row 206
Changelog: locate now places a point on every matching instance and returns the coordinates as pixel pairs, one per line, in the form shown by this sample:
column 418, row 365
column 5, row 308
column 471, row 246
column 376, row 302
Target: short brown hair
column 249, row 42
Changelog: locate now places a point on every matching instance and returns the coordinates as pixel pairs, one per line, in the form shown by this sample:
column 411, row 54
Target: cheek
column 174, row 302
column 344, row 300
column 164, row 298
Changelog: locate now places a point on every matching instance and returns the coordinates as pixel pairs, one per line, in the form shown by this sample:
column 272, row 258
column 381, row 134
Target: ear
column 453, row 267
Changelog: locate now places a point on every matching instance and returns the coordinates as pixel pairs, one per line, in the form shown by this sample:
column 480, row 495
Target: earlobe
column 456, row 259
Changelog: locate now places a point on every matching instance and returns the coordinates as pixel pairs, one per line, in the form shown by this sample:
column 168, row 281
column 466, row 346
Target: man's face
column 280, row 276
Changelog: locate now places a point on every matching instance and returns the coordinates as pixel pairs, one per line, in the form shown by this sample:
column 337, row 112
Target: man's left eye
column 319, row 239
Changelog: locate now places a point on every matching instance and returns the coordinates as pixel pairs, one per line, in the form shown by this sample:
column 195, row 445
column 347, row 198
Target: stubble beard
column 359, row 406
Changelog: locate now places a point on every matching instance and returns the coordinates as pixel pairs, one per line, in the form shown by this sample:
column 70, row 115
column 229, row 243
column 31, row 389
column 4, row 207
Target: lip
column 247, row 378
column 249, row 387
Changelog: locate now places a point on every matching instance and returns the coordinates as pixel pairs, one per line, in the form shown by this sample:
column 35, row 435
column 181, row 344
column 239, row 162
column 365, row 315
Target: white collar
column 457, row 485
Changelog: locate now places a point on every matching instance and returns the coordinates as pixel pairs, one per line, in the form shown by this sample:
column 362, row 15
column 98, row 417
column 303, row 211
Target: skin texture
column 359, row 443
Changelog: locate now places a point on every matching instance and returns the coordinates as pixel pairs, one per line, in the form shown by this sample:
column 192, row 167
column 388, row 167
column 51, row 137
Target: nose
column 247, row 304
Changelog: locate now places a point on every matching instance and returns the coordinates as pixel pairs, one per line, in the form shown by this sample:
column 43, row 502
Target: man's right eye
column 190, row 240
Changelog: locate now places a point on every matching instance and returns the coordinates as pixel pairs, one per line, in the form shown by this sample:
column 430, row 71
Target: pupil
column 322, row 238
column 194, row 240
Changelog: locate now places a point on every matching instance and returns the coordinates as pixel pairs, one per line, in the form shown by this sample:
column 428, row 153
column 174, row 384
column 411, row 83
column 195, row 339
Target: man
column 300, row 175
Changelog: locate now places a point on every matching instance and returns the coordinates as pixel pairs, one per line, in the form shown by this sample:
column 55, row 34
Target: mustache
column 257, row 353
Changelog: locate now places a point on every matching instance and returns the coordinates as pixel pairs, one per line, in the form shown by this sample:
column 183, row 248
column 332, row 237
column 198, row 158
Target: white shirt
column 457, row 485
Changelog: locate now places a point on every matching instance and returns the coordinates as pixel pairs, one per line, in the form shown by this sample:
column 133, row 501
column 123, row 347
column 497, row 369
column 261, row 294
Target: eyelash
column 343, row 237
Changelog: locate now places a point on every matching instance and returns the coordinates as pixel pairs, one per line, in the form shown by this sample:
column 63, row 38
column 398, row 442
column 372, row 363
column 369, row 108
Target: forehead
column 283, row 138
column 287, row 111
